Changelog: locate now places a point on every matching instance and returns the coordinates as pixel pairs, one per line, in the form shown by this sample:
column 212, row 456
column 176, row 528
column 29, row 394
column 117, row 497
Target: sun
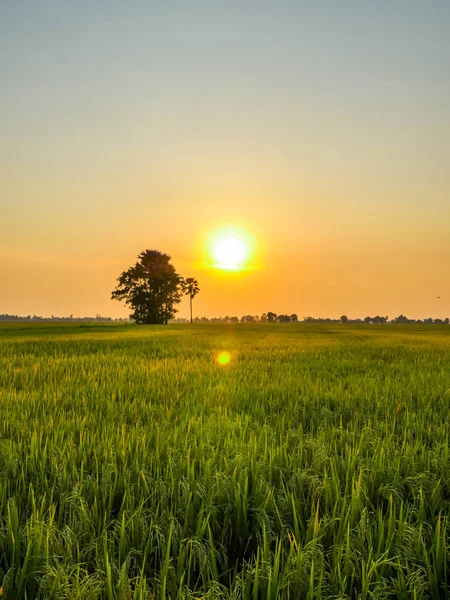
column 230, row 250
column 230, row 253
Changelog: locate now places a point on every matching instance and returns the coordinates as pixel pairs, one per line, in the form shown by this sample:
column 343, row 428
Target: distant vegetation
column 272, row 317
column 55, row 319
column 264, row 318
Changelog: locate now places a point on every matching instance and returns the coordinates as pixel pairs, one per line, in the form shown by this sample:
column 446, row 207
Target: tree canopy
column 151, row 288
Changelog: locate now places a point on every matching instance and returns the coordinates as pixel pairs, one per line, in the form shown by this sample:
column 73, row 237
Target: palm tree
column 191, row 289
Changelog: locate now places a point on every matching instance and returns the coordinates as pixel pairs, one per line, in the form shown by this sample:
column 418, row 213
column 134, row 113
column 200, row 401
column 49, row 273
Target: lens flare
column 224, row 358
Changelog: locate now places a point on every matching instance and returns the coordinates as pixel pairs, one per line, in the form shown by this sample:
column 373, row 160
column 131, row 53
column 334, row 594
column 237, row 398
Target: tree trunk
column 190, row 299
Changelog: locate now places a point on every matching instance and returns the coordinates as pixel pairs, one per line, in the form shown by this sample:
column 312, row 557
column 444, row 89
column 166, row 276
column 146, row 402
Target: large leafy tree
column 151, row 288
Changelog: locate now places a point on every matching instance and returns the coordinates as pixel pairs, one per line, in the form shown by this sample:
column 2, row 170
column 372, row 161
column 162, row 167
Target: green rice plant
column 315, row 464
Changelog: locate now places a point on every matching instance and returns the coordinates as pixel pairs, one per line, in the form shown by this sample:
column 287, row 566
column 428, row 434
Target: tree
column 247, row 319
column 271, row 317
column 403, row 320
column 151, row 288
column 283, row 318
column 344, row 319
column 191, row 289
column 294, row 318
column 379, row 320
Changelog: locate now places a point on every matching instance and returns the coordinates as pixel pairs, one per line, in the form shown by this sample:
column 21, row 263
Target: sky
column 320, row 128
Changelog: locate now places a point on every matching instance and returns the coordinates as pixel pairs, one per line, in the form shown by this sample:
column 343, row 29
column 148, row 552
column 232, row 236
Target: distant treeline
column 54, row 319
column 272, row 317
column 269, row 317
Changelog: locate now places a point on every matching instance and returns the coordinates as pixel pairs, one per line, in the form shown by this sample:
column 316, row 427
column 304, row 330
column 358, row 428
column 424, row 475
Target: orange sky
column 324, row 133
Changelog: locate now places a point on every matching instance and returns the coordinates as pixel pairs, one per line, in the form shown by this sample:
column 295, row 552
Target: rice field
column 313, row 464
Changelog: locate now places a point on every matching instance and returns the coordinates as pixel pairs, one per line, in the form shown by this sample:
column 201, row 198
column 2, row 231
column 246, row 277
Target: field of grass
column 314, row 465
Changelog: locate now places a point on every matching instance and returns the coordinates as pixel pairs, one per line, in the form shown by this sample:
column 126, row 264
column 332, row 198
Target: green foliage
column 151, row 288
column 314, row 465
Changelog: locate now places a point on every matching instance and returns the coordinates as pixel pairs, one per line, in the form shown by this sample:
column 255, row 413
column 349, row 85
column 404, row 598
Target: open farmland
column 315, row 464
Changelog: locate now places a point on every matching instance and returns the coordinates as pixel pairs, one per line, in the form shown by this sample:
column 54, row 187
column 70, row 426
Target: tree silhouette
column 283, row 318
column 152, row 288
column 191, row 289
column 402, row 319
column 247, row 319
column 271, row 317
column 344, row 319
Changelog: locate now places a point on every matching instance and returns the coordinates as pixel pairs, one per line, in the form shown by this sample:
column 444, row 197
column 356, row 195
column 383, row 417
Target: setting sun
column 230, row 250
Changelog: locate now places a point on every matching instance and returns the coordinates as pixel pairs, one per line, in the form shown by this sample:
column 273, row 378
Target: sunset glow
column 230, row 250
column 283, row 169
